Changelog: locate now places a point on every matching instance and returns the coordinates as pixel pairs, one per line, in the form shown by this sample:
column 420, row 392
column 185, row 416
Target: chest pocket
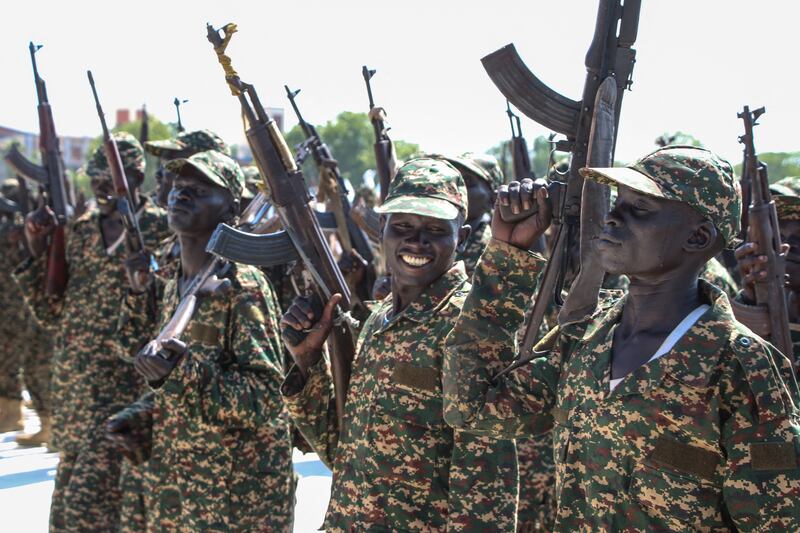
column 406, row 433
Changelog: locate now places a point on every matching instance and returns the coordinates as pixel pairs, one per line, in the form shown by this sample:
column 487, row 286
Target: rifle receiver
column 367, row 73
column 100, row 113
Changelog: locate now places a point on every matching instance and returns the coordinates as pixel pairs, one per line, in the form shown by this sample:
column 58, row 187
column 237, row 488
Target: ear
column 383, row 220
column 702, row 239
column 463, row 235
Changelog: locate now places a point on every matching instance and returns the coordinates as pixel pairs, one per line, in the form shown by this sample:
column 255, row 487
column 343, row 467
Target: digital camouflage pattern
column 704, row 438
column 716, row 274
column 89, row 381
column 479, row 237
column 252, row 182
column 25, row 344
column 428, row 187
column 221, row 442
column 687, row 174
column 188, row 143
column 217, row 167
column 130, row 152
column 399, row 467
column 786, row 194
column 492, row 173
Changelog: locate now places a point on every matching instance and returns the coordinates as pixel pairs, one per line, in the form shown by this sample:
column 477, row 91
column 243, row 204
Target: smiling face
column 195, row 206
column 419, row 249
column 649, row 237
column 790, row 234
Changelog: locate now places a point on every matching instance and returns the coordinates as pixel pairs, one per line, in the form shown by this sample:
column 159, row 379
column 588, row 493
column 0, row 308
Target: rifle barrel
column 106, row 134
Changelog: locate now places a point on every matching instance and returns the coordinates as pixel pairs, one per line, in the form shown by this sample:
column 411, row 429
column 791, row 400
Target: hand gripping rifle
column 290, row 198
column 519, row 147
column 51, row 177
column 385, row 158
column 590, row 126
column 332, row 187
column 764, row 229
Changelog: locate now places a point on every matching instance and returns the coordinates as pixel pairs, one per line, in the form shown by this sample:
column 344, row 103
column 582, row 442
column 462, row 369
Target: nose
column 612, row 217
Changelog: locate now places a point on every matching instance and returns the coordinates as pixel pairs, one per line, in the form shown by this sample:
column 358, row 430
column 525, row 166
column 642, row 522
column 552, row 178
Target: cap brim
column 624, row 176
column 166, row 145
column 417, row 205
column 178, row 166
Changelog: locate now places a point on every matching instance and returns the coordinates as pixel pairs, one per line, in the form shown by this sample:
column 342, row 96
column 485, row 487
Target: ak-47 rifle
column 764, row 229
column 609, row 65
column 51, row 177
column 332, row 187
column 144, row 129
column 385, row 160
column 519, row 147
column 177, row 103
column 289, row 195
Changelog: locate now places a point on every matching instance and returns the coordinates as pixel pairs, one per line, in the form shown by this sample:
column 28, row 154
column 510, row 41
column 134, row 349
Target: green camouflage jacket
column 476, row 243
column 11, row 255
column 704, row 438
column 221, row 436
column 716, row 274
column 89, row 382
column 399, row 467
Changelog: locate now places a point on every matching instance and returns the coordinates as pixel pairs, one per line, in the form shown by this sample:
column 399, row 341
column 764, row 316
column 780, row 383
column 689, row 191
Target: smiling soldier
column 668, row 414
column 398, row 466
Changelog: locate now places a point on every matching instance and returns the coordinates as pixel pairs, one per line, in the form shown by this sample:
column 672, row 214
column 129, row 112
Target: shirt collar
column 432, row 299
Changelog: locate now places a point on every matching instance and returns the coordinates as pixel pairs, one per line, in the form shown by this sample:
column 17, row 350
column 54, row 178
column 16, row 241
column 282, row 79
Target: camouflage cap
column 253, row 183
column 130, row 152
column 220, row 170
column 188, row 143
column 483, row 166
column 429, row 187
column 786, row 194
column 686, row 174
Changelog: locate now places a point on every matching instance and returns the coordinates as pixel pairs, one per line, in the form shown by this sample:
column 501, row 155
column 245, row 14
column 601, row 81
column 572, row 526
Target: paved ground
column 26, row 482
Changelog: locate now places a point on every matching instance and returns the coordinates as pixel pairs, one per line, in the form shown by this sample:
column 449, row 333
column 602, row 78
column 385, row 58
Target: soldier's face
column 790, row 234
column 103, row 191
column 645, row 236
column 419, row 249
column 480, row 196
column 195, row 206
column 164, row 180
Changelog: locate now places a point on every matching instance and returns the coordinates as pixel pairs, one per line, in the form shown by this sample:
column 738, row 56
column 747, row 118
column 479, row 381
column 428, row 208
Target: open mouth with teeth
column 415, row 260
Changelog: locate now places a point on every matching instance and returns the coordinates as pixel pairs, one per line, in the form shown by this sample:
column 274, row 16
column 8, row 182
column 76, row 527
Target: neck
column 403, row 296
column 475, row 222
column 659, row 306
column 193, row 253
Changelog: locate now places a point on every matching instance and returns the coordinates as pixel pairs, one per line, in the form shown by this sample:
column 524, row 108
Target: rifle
column 764, row 229
column 290, row 198
column 519, row 147
column 385, row 160
column 609, row 62
column 144, row 130
column 332, row 185
column 51, row 177
column 177, row 102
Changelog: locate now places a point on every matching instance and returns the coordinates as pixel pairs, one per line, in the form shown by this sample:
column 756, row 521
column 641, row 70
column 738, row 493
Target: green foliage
column 350, row 138
column 539, row 154
column 779, row 164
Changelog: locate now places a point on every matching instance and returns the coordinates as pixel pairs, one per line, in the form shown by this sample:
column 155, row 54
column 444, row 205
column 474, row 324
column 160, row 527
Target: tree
column 779, row 164
column 539, row 155
column 350, row 138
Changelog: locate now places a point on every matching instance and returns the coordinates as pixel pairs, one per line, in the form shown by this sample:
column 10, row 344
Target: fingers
column 542, row 195
column 176, row 346
column 327, row 313
column 117, row 425
column 748, row 248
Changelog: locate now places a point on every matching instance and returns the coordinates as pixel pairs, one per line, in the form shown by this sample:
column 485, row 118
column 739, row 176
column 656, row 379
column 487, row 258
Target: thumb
column 327, row 313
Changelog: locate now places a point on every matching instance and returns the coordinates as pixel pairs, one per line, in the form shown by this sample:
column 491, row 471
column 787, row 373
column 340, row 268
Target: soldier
column 668, row 414
column 89, row 382
column 397, row 466
column 786, row 194
column 221, row 451
column 25, row 344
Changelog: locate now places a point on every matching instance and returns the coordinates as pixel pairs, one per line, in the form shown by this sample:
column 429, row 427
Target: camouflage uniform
column 702, row 439
column 221, row 444
column 398, row 467
column 186, row 144
column 89, row 382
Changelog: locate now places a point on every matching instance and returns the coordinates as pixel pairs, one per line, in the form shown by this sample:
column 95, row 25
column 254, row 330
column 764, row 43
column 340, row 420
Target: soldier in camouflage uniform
column 786, row 194
column 397, row 466
column 89, row 382
column 221, row 445
column 699, row 437
column 23, row 342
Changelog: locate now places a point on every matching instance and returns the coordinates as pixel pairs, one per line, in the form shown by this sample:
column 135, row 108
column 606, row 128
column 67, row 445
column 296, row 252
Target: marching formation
column 605, row 348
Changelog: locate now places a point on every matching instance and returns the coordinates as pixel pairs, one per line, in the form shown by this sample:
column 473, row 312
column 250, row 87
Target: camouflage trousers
column 537, row 506
column 87, row 494
column 26, row 346
column 133, row 508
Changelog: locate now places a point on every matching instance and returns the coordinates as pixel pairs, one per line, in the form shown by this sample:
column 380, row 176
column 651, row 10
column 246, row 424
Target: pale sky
column 698, row 62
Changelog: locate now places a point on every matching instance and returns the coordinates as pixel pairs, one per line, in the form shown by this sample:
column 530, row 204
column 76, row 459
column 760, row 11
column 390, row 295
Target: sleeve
column 312, row 406
column 31, row 276
column 761, row 442
column 139, row 416
column 138, row 320
column 482, row 343
column 242, row 388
